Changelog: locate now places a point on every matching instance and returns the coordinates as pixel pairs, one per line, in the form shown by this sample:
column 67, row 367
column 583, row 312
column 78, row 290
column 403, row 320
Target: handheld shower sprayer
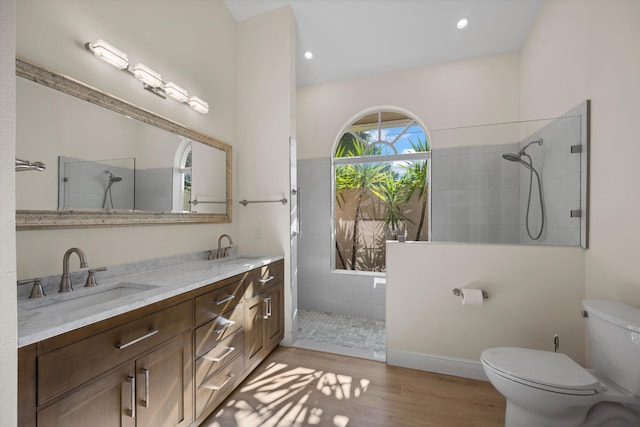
column 517, row 157
column 112, row 179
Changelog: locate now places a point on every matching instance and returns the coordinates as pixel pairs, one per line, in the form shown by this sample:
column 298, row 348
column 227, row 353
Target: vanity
column 165, row 349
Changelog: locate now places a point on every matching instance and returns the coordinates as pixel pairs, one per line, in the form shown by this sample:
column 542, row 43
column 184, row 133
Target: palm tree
column 415, row 179
column 392, row 192
column 361, row 176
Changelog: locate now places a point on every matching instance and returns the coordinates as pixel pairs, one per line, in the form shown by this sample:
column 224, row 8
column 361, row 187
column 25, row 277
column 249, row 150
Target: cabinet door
column 274, row 323
column 164, row 385
column 105, row 402
column 254, row 332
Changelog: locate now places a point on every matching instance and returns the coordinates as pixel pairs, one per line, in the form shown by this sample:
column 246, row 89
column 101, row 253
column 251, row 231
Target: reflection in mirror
column 118, row 165
column 517, row 183
column 86, row 184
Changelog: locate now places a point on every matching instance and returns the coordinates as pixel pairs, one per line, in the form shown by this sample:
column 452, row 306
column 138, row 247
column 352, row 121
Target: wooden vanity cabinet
column 264, row 313
column 132, row 370
column 148, row 392
column 167, row 364
column 219, row 344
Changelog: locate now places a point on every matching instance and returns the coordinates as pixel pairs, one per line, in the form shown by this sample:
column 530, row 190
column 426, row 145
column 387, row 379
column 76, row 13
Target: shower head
column 113, row 178
column 512, row 157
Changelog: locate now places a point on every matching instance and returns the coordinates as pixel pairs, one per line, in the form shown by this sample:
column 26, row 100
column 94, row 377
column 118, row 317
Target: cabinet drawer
column 223, row 353
column 214, row 303
column 209, row 334
column 264, row 278
column 67, row 367
column 214, row 389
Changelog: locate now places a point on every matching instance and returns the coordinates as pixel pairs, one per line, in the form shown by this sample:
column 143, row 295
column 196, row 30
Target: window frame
column 338, row 161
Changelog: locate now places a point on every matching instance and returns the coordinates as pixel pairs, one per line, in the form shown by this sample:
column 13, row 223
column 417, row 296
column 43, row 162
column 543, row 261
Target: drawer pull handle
column 137, row 340
column 132, row 412
column 227, row 299
column 145, row 401
column 225, row 327
column 221, row 386
column 221, row 358
column 268, row 279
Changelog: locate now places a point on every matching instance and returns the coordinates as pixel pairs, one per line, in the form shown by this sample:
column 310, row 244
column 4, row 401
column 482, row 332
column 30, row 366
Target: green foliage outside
column 398, row 190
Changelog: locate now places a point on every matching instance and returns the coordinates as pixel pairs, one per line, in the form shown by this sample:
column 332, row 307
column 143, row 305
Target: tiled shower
column 476, row 197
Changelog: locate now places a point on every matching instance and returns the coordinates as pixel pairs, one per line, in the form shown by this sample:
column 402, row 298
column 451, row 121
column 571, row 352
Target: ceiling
column 354, row 38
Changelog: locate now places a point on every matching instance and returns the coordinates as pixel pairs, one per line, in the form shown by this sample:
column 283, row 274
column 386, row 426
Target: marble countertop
column 59, row 313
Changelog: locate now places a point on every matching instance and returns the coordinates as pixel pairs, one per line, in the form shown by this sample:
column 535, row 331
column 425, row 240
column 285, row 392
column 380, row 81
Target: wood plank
column 297, row 387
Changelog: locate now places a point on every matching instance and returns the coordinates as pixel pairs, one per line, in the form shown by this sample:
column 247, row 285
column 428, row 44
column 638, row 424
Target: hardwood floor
column 297, row 387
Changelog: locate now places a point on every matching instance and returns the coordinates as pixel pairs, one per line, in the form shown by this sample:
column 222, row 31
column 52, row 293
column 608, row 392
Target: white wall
column 8, row 302
column 266, row 105
column 534, row 293
column 459, row 93
column 590, row 50
column 193, row 43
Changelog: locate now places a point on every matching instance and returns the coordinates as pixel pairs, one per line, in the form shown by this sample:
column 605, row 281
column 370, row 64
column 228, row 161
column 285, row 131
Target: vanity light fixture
column 200, row 105
column 109, row 54
column 146, row 75
column 176, row 92
column 151, row 80
column 308, row 54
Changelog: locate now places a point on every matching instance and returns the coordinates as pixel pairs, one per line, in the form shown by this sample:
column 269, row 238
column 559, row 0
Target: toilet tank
column 613, row 329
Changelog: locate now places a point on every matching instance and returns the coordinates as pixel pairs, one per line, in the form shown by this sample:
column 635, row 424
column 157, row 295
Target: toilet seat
column 553, row 372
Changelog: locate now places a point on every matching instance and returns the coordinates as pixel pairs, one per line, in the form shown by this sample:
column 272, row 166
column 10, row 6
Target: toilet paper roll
column 472, row 297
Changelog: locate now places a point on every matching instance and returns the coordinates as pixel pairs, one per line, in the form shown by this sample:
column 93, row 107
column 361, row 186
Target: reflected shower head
column 512, row 157
column 113, row 178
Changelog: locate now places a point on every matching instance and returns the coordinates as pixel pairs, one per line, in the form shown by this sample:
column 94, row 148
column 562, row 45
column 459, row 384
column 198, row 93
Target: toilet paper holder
column 457, row 292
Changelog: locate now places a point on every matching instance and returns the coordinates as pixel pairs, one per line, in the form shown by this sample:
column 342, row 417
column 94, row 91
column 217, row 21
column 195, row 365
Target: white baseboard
column 434, row 363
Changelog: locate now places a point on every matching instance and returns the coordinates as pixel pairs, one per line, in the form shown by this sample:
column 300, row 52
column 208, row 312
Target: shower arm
column 537, row 141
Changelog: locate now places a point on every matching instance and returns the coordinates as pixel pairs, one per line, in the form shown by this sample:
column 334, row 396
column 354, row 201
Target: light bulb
column 200, row 105
column 109, row 54
column 147, row 75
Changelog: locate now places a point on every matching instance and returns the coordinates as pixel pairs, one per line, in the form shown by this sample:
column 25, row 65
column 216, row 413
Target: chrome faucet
column 223, row 253
column 65, row 283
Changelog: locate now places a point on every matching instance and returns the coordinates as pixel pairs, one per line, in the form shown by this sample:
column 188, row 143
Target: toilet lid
column 550, row 371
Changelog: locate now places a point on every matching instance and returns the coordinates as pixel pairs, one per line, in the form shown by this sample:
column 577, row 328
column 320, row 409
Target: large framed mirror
column 109, row 162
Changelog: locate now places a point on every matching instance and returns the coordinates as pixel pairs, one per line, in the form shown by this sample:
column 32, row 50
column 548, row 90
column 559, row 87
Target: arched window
column 381, row 181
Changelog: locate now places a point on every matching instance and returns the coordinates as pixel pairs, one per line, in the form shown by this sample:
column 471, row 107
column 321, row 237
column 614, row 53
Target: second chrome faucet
column 221, row 252
column 65, row 283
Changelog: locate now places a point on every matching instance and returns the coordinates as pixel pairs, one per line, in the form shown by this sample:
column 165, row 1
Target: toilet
column 547, row 389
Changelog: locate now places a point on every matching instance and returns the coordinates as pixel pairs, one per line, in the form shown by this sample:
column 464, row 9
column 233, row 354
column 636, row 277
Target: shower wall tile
column 470, row 186
column 320, row 289
column 561, row 181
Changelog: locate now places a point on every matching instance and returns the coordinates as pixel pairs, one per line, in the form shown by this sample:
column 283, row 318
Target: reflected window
column 380, row 190
column 182, row 176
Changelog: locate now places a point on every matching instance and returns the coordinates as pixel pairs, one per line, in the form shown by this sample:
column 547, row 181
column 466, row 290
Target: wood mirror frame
column 44, row 219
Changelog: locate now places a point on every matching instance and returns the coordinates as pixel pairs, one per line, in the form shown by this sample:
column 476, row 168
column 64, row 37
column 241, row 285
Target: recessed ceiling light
column 462, row 23
column 308, row 54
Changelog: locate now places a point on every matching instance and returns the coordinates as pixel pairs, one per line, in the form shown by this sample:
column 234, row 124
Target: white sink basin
column 86, row 297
